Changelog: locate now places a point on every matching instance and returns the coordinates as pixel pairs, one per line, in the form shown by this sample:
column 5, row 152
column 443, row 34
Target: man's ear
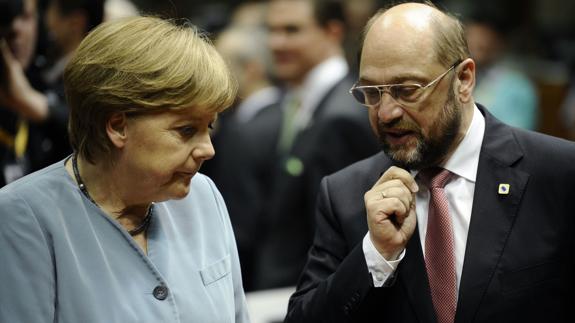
column 466, row 80
column 116, row 129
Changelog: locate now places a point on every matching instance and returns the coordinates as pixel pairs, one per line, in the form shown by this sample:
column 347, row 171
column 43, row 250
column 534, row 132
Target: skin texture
column 398, row 48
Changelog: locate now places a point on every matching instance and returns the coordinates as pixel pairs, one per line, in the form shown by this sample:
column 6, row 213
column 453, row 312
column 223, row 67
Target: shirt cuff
column 379, row 268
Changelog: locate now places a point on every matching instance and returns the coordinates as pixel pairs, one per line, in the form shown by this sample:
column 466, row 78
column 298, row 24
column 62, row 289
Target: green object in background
column 294, row 166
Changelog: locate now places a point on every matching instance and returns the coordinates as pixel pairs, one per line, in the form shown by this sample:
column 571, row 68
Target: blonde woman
column 126, row 229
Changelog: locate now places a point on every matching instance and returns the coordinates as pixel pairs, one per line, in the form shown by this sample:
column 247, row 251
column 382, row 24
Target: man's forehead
column 287, row 10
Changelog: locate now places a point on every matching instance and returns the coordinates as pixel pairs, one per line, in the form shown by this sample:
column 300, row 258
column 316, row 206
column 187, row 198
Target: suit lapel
column 493, row 214
column 413, row 276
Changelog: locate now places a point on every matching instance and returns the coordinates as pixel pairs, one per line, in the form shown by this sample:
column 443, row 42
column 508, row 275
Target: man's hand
column 390, row 206
column 16, row 92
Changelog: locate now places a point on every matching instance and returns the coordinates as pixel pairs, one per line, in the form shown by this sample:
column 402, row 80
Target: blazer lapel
column 498, row 191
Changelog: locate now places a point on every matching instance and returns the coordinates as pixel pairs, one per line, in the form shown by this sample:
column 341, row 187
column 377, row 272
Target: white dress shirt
column 463, row 164
column 316, row 85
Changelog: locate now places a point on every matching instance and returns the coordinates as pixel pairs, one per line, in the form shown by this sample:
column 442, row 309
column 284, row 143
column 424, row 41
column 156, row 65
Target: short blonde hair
column 140, row 65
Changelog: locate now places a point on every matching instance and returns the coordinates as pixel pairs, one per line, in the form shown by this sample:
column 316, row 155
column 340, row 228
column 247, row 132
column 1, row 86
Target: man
column 492, row 243
column 502, row 84
column 67, row 22
column 245, row 50
column 316, row 130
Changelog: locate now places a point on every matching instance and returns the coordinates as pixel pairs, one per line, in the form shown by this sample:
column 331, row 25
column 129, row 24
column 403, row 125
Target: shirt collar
column 465, row 159
column 316, row 85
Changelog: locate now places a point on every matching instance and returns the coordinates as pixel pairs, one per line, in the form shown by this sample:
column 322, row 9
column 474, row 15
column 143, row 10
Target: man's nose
column 388, row 109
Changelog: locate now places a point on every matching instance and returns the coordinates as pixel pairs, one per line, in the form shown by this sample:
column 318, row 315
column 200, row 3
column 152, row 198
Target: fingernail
column 414, row 187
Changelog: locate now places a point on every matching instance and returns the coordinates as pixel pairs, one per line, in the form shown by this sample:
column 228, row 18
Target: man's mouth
column 396, row 137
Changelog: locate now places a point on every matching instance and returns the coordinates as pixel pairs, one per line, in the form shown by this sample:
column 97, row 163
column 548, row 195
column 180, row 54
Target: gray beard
column 431, row 151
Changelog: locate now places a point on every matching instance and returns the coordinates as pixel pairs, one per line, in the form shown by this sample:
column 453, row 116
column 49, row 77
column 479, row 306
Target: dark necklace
column 139, row 229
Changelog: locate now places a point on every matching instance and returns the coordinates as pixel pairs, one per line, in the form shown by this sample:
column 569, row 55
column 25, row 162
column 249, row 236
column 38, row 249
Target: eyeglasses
column 404, row 94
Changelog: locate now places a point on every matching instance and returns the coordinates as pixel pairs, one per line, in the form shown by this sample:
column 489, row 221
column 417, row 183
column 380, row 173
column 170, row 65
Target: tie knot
column 435, row 177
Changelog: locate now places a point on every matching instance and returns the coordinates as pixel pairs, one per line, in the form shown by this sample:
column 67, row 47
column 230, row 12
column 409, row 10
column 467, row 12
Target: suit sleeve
column 27, row 283
column 335, row 279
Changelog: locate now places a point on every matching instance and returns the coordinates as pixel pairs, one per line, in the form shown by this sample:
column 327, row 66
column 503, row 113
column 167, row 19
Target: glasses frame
column 388, row 88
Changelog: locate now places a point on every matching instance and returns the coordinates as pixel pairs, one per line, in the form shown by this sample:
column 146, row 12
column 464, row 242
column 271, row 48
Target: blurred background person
column 32, row 105
column 22, row 107
column 316, row 129
column 502, row 84
column 115, row 9
column 244, row 48
column 125, row 229
column 67, row 23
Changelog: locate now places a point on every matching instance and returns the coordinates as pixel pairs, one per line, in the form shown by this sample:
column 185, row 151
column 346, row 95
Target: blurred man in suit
column 67, row 22
column 244, row 48
column 461, row 218
column 315, row 130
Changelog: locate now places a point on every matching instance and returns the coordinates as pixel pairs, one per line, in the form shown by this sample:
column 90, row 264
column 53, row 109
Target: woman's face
column 161, row 152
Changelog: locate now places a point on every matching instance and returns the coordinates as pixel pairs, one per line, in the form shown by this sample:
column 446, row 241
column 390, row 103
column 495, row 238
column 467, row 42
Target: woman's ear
column 116, row 129
column 466, row 79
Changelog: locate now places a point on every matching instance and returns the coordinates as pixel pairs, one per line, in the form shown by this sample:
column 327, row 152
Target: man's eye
column 408, row 93
column 292, row 29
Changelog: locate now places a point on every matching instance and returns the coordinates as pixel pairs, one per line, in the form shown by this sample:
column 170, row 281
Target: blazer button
column 160, row 292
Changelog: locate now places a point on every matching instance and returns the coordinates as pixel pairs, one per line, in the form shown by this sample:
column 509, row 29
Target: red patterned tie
column 439, row 249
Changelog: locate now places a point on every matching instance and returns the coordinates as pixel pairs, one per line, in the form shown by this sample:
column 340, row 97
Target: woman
column 126, row 230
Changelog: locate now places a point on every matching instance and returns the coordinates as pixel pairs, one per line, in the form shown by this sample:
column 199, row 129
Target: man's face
column 22, row 37
column 484, row 43
column 421, row 150
column 421, row 134
column 56, row 24
column 296, row 40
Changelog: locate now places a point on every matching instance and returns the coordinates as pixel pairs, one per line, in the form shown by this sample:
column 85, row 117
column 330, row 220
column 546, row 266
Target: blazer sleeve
column 335, row 279
column 27, row 283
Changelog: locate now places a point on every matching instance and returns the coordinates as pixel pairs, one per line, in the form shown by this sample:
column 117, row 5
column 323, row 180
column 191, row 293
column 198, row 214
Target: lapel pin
column 503, row 189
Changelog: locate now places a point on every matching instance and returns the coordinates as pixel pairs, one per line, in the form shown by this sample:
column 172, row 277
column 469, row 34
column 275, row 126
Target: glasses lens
column 358, row 95
column 366, row 95
column 406, row 93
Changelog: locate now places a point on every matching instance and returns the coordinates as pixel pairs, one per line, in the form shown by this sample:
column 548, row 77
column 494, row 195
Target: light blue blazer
column 63, row 260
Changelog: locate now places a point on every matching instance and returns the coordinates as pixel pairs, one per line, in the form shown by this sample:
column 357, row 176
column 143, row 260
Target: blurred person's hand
column 16, row 93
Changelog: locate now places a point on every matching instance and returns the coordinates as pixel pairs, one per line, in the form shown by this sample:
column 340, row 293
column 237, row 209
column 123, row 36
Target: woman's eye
column 187, row 131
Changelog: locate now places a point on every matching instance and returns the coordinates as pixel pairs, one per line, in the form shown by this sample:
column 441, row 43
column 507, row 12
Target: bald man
column 460, row 218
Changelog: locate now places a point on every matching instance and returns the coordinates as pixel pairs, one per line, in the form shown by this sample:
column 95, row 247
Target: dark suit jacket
column 519, row 260
column 338, row 135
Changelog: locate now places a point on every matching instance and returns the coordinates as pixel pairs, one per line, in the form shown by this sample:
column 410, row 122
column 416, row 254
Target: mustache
column 398, row 124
